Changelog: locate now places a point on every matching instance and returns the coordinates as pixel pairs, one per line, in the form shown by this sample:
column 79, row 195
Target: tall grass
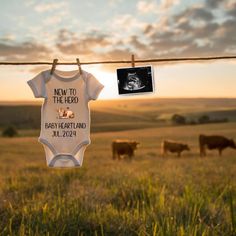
column 147, row 196
column 72, row 203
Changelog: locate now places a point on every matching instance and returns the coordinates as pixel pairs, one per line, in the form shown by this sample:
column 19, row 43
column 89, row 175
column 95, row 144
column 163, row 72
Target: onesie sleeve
column 94, row 87
column 37, row 85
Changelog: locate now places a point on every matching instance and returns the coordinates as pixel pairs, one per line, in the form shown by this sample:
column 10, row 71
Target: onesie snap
column 65, row 114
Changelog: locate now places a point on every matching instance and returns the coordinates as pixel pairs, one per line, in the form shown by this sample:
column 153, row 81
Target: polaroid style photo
column 135, row 80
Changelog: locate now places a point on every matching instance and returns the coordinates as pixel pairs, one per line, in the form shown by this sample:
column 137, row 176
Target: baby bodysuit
column 65, row 115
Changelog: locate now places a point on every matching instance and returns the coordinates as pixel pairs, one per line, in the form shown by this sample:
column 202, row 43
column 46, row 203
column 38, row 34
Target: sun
column 108, row 79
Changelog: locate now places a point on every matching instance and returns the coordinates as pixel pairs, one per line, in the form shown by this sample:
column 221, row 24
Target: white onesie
column 65, row 116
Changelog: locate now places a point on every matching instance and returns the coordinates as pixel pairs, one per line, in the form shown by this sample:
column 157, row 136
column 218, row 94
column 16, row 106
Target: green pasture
column 149, row 195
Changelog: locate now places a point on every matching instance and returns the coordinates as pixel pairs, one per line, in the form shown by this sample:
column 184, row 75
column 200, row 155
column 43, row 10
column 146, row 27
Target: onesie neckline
column 65, row 79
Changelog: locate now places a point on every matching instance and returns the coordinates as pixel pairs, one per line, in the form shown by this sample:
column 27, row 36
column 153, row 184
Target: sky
column 32, row 30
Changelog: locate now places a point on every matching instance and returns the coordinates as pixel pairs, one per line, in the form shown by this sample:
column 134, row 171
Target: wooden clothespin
column 132, row 60
column 79, row 65
column 54, row 64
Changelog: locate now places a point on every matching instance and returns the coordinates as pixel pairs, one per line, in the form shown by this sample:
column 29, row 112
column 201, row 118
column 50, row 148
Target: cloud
column 127, row 22
column 148, row 29
column 166, row 4
column 230, row 4
column 54, row 12
column 192, row 32
column 114, row 54
column 147, row 7
column 227, row 7
column 70, row 43
column 98, row 46
column 52, row 20
column 213, row 3
column 9, row 37
column 226, row 36
column 232, row 10
column 45, row 7
column 182, row 34
column 137, row 44
column 195, row 13
column 25, row 50
column 93, row 46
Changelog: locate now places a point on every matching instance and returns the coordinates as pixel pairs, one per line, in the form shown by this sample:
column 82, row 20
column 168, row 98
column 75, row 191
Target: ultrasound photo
column 135, row 80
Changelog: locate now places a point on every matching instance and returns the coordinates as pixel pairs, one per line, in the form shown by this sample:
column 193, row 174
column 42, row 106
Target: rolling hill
column 114, row 115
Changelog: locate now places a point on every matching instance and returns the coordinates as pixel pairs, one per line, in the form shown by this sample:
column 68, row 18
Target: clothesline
column 120, row 61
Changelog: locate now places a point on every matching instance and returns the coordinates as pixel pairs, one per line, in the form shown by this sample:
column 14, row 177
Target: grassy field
column 150, row 195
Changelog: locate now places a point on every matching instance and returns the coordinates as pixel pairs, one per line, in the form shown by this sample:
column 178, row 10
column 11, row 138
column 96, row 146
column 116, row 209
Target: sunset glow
column 148, row 29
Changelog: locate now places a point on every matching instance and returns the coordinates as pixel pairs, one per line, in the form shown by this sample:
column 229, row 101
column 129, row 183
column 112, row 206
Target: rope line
column 120, row 61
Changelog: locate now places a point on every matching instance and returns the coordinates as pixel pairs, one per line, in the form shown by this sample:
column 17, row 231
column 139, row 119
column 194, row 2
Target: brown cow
column 173, row 147
column 214, row 142
column 123, row 147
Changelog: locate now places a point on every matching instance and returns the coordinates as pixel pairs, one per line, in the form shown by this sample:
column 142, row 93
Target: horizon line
column 2, row 102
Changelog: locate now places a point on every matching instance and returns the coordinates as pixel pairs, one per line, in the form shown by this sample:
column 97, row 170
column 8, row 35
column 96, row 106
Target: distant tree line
column 177, row 119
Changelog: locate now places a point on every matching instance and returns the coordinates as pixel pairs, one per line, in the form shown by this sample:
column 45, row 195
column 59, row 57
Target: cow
column 174, row 147
column 65, row 113
column 123, row 147
column 214, row 142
